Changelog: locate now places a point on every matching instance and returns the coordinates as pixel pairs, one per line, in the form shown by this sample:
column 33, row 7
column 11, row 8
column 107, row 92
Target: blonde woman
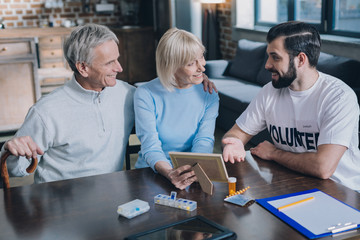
column 173, row 112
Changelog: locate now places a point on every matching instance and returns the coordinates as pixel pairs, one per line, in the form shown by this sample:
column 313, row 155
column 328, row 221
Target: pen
column 347, row 226
column 294, row 203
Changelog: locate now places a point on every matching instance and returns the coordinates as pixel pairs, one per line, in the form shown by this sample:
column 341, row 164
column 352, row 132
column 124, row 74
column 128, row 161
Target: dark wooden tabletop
column 85, row 208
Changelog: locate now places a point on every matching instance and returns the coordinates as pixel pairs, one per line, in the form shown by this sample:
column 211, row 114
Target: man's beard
column 287, row 79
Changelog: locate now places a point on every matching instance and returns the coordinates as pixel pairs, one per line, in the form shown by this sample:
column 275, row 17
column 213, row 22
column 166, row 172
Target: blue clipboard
column 322, row 216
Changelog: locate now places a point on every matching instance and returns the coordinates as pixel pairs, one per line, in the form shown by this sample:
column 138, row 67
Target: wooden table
column 85, row 208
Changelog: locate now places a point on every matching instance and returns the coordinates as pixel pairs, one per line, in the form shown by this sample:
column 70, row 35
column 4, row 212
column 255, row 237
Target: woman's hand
column 181, row 177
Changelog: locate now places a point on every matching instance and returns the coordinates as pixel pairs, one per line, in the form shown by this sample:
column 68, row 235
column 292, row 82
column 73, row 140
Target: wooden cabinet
column 50, row 52
column 21, row 81
column 54, row 71
column 18, row 80
column 137, row 53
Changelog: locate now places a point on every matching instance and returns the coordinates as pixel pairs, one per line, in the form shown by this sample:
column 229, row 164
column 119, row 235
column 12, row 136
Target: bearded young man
column 312, row 117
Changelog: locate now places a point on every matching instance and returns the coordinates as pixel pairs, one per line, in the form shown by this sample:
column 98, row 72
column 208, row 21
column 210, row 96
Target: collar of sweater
column 76, row 91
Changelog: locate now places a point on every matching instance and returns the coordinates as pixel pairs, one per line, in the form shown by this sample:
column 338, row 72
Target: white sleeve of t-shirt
column 339, row 119
column 252, row 120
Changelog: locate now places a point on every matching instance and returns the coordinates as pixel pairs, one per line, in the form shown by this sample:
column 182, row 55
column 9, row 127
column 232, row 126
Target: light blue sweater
column 180, row 121
column 82, row 132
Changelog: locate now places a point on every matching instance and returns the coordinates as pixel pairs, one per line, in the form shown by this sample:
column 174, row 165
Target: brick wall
column 28, row 13
column 227, row 46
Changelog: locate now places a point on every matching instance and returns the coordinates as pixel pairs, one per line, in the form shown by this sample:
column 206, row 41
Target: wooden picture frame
column 211, row 163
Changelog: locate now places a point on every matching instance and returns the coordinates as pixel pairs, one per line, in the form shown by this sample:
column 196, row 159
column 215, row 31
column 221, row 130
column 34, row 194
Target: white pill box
column 133, row 208
column 172, row 201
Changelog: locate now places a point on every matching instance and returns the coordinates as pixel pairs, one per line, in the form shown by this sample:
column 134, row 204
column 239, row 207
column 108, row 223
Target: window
column 339, row 17
column 347, row 16
column 308, row 11
column 271, row 11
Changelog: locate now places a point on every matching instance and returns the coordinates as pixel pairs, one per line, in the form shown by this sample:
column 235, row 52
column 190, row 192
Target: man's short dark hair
column 299, row 37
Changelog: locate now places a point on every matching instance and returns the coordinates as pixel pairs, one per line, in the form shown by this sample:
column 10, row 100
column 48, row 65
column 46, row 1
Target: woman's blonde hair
column 176, row 48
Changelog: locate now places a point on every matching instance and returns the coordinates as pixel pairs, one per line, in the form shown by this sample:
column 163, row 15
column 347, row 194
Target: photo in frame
column 212, row 164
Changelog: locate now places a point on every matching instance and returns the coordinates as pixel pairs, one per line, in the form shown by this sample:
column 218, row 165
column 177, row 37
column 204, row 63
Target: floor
column 21, row 181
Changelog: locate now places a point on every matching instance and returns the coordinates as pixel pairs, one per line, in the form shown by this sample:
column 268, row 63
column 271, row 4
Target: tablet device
column 197, row 227
column 212, row 164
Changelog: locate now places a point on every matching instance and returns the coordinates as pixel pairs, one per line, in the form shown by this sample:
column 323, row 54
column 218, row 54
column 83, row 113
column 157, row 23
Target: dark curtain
column 210, row 35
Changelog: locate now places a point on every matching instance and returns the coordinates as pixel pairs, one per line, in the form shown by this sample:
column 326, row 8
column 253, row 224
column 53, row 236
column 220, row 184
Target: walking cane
column 4, row 171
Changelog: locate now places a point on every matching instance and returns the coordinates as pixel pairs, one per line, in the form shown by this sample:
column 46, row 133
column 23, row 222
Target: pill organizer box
column 133, row 208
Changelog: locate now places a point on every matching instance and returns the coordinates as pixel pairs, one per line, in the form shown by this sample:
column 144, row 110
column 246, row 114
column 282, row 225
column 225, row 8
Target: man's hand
column 208, row 85
column 23, row 146
column 233, row 150
column 264, row 150
column 180, row 177
column 321, row 163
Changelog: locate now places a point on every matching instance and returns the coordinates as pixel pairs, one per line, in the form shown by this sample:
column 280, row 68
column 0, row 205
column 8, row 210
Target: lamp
column 210, row 31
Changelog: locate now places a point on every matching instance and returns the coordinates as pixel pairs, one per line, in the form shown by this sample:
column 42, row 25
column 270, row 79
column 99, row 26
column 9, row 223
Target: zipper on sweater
column 98, row 97
column 99, row 111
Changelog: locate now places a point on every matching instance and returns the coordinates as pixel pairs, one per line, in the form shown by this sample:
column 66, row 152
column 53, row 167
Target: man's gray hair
column 80, row 45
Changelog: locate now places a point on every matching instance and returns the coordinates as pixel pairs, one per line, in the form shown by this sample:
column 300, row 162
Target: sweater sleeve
column 33, row 126
column 204, row 138
column 146, row 130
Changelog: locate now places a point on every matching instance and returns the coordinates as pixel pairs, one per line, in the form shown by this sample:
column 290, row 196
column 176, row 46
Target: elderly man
column 81, row 128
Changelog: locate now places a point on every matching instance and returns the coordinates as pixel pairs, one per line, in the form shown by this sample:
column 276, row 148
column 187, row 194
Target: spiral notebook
column 321, row 216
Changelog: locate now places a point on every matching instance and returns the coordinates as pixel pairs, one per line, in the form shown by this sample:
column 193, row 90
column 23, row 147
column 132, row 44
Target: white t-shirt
column 299, row 121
